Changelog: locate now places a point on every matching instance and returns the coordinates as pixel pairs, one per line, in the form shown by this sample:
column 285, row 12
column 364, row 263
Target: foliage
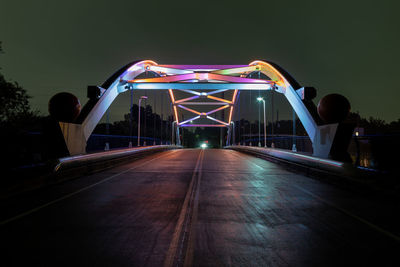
column 14, row 101
column 374, row 125
column 151, row 124
column 16, row 120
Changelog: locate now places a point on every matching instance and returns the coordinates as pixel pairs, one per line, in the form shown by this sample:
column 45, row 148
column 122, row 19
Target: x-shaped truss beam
column 202, row 82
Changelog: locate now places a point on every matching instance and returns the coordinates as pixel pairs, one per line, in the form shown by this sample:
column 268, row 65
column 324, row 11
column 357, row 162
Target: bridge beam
column 200, row 86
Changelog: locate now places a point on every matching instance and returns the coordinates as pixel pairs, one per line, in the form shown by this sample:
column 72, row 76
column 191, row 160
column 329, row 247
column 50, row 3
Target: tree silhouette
column 14, row 100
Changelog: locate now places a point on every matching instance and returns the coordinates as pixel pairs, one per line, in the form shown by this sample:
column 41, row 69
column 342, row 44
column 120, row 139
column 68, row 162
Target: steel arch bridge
column 202, row 83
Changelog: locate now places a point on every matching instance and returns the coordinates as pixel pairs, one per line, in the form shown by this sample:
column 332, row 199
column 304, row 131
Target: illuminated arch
column 201, row 81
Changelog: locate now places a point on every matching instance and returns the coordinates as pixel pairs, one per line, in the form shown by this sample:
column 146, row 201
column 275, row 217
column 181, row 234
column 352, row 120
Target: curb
column 331, row 171
column 68, row 168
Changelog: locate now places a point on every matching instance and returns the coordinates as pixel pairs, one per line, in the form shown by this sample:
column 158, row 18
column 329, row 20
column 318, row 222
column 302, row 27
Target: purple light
column 203, row 67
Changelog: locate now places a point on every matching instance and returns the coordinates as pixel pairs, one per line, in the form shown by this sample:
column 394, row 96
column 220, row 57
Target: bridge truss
column 205, row 84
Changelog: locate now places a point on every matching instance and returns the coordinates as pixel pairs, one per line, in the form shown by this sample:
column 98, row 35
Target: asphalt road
column 197, row 207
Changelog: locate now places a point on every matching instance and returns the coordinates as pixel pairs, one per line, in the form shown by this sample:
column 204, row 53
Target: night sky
column 347, row 47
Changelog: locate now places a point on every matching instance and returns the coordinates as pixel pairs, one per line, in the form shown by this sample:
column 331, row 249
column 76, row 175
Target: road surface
column 194, row 207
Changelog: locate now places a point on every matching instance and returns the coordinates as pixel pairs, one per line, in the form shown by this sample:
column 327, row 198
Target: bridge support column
column 74, row 138
column 228, row 138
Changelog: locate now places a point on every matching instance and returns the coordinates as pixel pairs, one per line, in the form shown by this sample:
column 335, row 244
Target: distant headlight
column 203, row 145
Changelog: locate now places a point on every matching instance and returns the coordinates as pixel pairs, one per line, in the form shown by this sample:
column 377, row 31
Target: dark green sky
column 347, row 47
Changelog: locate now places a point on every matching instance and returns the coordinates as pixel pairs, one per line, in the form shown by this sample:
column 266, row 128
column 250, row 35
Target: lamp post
column 172, row 132
column 140, row 101
column 233, row 133
column 272, row 116
column 259, row 123
column 294, row 149
column 265, row 124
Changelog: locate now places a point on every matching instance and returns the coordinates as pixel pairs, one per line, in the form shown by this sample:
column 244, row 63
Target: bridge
column 203, row 83
column 167, row 205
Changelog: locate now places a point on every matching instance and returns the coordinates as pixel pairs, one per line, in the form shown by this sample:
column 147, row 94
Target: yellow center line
column 176, row 246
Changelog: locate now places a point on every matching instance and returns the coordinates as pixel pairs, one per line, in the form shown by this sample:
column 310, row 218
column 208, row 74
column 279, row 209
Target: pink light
column 189, row 109
column 198, row 76
column 202, row 125
column 166, row 79
column 203, row 67
column 234, row 79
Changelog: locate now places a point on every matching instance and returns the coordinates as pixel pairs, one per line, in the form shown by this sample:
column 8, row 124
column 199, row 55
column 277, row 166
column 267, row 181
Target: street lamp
column 233, row 133
column 259, row 122
column 265, row 124
column 172, row 133
column 140, row 101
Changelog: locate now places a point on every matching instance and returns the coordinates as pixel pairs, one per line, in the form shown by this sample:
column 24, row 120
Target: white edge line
column 348, row 213
column 76, row 192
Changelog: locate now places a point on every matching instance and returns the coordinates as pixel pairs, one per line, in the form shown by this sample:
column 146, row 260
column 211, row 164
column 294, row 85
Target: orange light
column 171, row 94
column 219, row 99
column 189, row 109
column 230, row 115
column 218, row 109
column 176, row 114
column 269, row 67
column 234, row 96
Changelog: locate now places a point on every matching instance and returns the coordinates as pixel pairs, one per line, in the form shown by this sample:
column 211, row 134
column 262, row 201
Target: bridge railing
column 303, row 143
column 367, row 151
column 98, row 142
column 30, row 147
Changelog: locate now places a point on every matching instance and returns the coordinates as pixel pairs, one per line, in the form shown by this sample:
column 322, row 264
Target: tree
column 14, row 101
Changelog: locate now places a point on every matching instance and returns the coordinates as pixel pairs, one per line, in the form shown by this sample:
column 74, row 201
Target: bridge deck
column 200, row 208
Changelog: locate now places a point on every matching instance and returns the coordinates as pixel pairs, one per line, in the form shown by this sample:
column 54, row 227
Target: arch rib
column 210, row 79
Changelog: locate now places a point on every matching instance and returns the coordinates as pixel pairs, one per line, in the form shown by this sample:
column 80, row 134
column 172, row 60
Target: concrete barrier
column 63, row 169
column 103, row 160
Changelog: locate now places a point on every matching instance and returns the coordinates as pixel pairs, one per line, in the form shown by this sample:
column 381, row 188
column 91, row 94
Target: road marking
column 187, row 214
column 78, row 191
column 192, row 231
column 348, row 213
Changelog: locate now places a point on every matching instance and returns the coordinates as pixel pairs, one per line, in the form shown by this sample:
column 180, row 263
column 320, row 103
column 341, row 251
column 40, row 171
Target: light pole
column 172, row 132
column 272, row 117
column 140, row 101
column 233, row 133
column 294, row 149
column 259, row 122
column 265, row 124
